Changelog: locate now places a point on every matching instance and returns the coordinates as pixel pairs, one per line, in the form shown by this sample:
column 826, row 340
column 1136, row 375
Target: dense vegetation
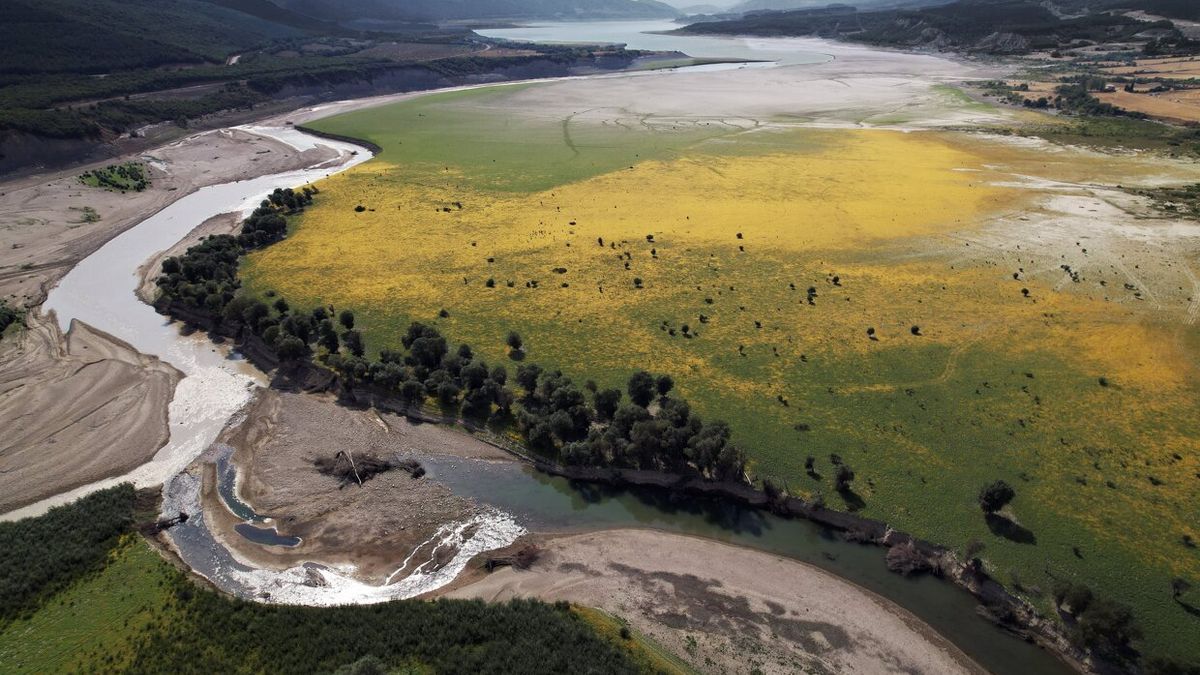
column 8, row 317
column 41, row 556
column 217, row 634
column 101, row 36
column 119, row 177
column 1176, row 201
column 991, row 26
column 179, row 627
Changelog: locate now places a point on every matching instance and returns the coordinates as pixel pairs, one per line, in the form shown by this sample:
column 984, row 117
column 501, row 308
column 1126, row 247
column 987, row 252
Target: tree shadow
column 1003, row 527
column 1189, row 608
column 853, row 501
column 516, row 354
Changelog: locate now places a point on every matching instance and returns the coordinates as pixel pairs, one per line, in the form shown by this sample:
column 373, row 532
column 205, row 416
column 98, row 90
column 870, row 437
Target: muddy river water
column 100, row 292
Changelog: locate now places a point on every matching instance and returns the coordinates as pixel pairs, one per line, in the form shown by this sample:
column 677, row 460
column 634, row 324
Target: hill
column 987, row 26
column 101, row 36
column 460, row 10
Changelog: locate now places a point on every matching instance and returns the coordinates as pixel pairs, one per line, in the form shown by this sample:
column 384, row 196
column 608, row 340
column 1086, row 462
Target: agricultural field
column 941, row 309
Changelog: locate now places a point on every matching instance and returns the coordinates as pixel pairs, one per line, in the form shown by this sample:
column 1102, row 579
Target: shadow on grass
column 853, row 501
column 1189, row 608
column 1003, row 527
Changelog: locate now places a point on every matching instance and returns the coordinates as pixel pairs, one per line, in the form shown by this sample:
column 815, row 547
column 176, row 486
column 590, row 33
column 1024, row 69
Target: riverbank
column 87, row 394
column 364, row 530
column 723, row 608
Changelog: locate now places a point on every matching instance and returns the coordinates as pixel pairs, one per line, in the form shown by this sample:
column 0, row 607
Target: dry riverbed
column 84, row 406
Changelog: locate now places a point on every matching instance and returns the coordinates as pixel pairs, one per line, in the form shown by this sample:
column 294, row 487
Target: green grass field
column 996, row 386
column 89, row 626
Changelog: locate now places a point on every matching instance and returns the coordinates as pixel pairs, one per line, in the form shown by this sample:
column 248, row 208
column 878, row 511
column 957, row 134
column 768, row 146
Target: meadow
column 862, row 293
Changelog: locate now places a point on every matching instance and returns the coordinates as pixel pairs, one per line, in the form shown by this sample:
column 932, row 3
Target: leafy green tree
column 514, row 341
column 291, row 348
column 606, row 402
column 346, row 318
column 328, row 337
column 995, row 496
column 528, row 375
column 474, row 374
column 411, row 392
column 641, row 388
column 664, row 384
column 354, row 342
column 843, row 477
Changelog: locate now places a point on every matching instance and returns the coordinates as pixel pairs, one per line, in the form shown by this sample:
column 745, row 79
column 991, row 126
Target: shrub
column 996, row 496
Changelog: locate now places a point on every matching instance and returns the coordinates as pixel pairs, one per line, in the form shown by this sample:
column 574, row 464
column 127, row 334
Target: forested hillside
column 102, row 36
column 989, row 26
column 455, row 10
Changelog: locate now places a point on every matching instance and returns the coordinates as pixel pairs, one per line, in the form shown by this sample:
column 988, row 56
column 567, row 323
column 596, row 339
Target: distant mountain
column 101, row 36
column 780, row 5
column 986, row 26
column 460, row 10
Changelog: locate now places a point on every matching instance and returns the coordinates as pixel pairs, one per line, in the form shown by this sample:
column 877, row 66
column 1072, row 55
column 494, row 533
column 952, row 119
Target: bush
column 996, row 496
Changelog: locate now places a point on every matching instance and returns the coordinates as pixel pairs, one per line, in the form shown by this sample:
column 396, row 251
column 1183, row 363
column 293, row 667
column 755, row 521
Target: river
column 100, row 291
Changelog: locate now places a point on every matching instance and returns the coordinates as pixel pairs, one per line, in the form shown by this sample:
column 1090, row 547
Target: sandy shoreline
column 724, row 608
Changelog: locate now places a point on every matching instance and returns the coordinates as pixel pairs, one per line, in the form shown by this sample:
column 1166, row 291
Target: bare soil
column 75, row 410
column 371, row 528
column 727, row 609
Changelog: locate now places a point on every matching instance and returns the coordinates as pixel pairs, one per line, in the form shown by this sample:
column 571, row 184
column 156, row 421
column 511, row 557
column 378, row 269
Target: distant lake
column 641, row 35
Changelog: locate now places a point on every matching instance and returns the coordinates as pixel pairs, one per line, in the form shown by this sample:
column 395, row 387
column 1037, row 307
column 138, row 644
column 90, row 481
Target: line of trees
column 557, row 418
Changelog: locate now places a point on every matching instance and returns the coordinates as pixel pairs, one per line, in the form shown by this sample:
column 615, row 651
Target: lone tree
column 347, row 319
column 641, row 388
column 514, row 341
column 994, row 497
column 664, row 384
column 843, row 478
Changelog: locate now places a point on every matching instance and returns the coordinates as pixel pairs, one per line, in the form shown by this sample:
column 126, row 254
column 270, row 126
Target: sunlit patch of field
column 1181, row 68
column 1179, row 106
column 95, row 623
column 1084, row 394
